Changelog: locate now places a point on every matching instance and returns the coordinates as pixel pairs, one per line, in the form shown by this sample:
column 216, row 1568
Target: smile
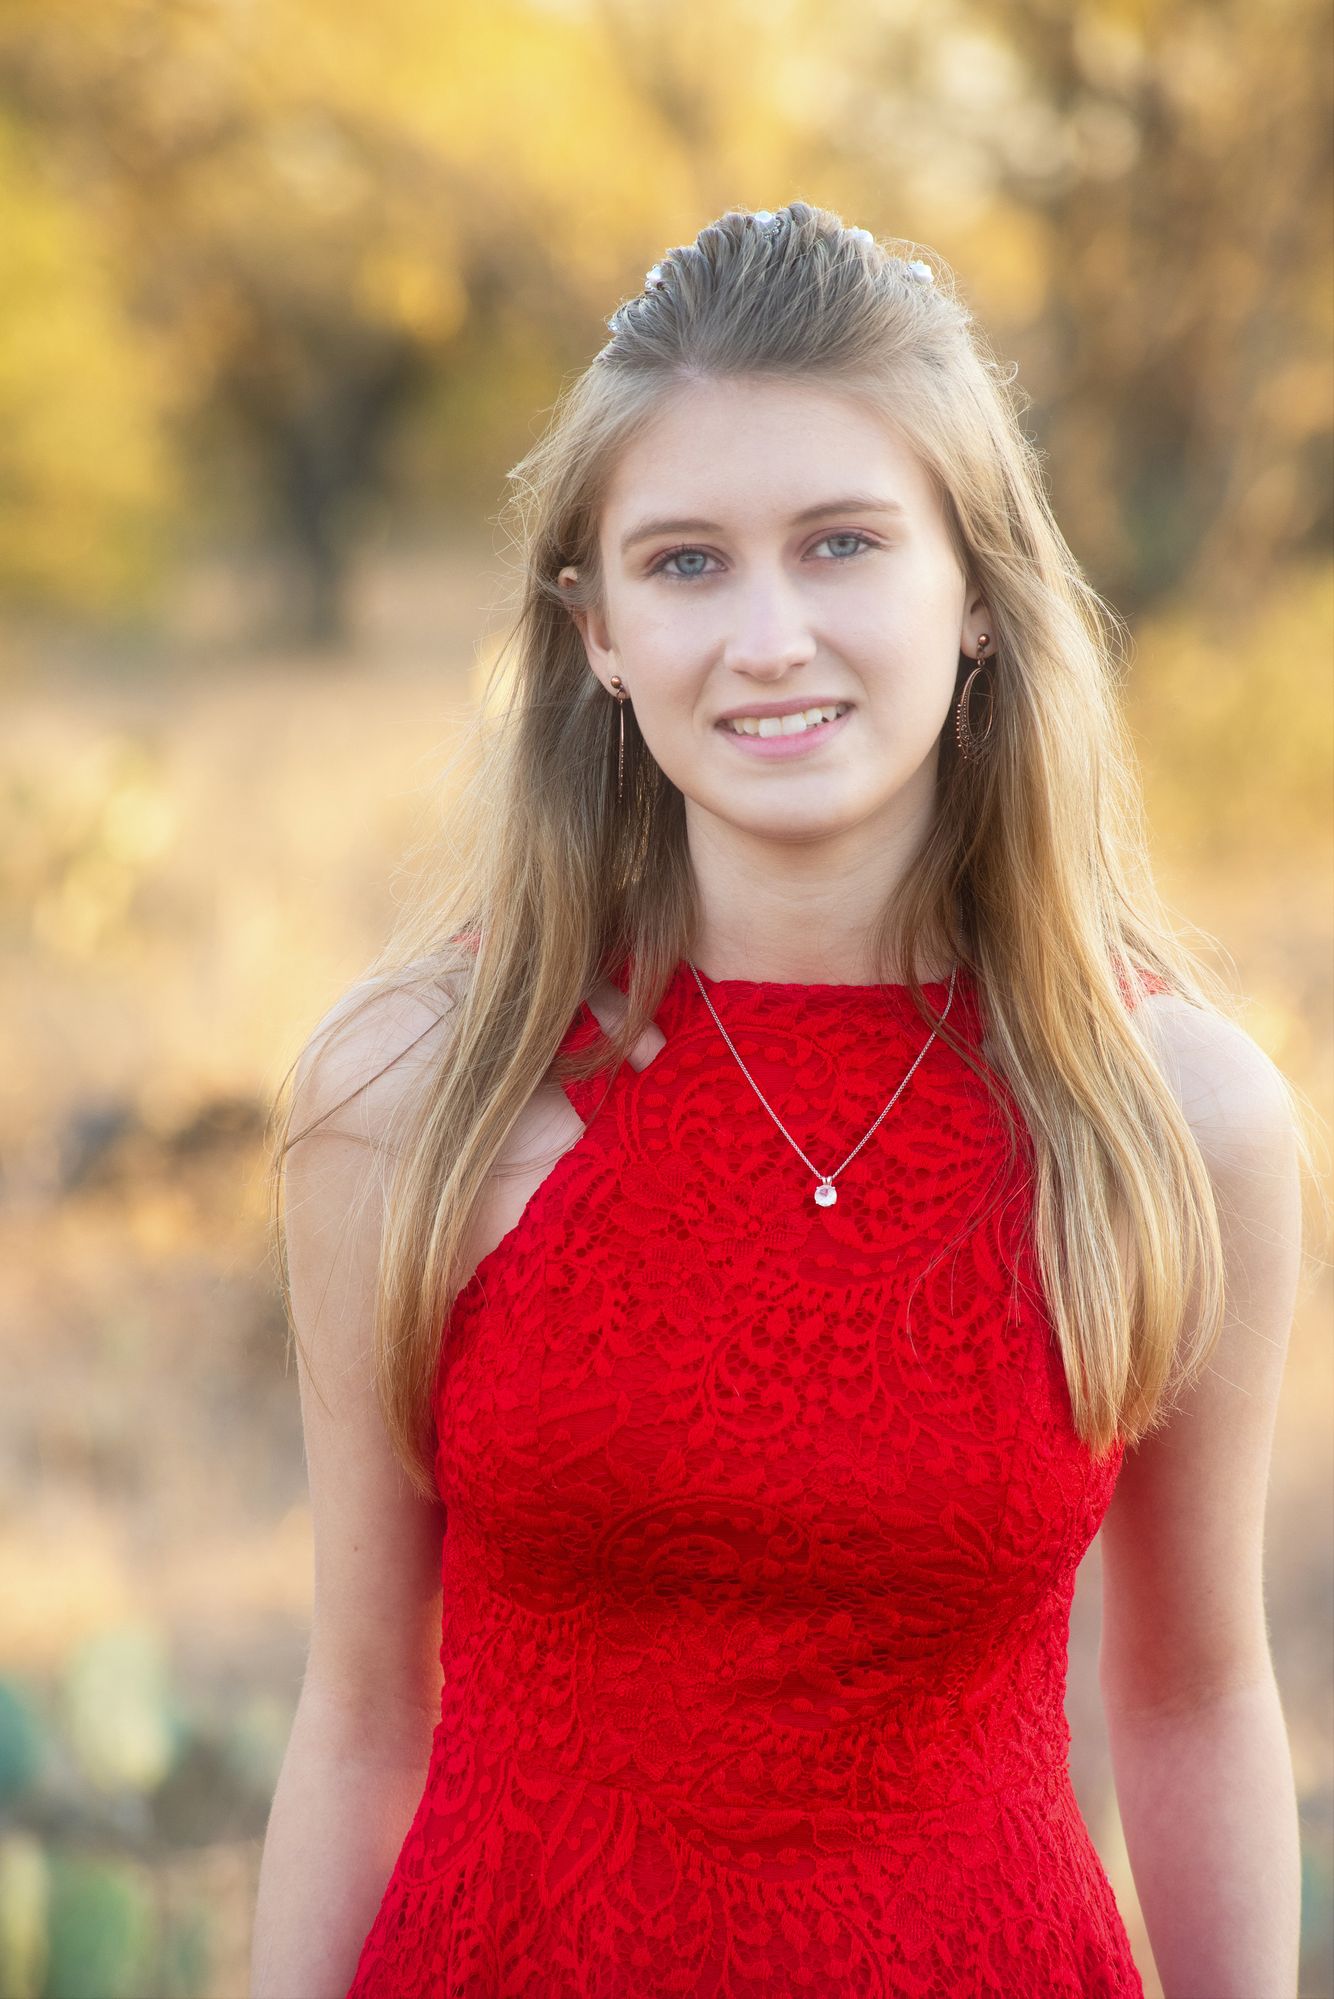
column 785, row 725
column 786, row 735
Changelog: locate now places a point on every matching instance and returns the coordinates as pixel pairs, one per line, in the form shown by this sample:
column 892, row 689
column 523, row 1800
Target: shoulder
column 1231, row 1093
column 364, row 1060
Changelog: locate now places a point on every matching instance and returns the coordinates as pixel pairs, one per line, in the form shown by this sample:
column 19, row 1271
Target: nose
column 768, row 634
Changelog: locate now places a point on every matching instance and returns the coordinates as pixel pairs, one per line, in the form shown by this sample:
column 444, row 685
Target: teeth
column 785, row 725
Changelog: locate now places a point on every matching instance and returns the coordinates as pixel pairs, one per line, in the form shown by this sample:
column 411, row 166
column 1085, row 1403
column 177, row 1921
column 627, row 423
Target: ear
column 977, row 619
column 592, row 629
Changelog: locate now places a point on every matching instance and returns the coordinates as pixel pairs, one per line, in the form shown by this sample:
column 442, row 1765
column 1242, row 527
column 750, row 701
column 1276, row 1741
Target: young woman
column 784, row 1192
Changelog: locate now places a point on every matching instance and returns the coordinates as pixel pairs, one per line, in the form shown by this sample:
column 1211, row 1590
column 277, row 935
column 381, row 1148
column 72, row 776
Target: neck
column 803, row 969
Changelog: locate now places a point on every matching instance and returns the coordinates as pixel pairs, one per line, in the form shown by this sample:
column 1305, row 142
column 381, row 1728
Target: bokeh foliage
column 298, row 256
column 292, row 282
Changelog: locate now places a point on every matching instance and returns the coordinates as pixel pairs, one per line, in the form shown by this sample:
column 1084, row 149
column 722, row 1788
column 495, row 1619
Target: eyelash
column 688, row 548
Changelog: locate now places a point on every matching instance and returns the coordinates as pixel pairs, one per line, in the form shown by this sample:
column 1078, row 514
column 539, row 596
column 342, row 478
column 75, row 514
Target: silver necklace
column 825, row 1191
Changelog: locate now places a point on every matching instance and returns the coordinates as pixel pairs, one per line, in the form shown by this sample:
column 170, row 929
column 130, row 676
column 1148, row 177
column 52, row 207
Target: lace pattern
column 762, row 1528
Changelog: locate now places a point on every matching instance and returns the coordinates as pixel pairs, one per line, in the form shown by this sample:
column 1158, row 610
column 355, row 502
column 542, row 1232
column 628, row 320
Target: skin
column 793, row 859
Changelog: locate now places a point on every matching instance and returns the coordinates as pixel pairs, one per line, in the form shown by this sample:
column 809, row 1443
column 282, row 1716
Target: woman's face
column 769, row 547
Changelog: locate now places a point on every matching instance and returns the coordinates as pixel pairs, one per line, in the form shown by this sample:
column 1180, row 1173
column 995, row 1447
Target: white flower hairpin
column 914, row 266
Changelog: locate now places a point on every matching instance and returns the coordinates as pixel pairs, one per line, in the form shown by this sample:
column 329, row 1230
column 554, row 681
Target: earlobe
column 979, row 620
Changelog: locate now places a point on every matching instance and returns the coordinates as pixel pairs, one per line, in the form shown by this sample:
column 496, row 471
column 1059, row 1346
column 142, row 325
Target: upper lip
column 797, row 705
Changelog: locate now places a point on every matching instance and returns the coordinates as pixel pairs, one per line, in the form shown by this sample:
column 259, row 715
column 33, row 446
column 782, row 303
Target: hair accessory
column 655, row 277
column 923, row 272
column 862, row 236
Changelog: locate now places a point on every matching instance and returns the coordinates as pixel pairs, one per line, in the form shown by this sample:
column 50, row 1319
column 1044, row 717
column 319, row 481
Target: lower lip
column 785, row 746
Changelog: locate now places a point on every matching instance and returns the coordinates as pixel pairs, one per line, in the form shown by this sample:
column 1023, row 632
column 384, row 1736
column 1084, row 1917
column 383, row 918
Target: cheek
column 669, row 667
column 657, row 646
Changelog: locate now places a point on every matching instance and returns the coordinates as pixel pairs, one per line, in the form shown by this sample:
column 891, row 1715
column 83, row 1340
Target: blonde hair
column 1035, row 873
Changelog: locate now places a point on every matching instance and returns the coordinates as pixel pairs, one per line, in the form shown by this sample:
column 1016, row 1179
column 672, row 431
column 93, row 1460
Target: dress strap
column 587, row 1092
column 584, row 1092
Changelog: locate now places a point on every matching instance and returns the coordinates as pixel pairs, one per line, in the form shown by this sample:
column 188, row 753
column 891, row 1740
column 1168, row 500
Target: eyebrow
column 850, row 503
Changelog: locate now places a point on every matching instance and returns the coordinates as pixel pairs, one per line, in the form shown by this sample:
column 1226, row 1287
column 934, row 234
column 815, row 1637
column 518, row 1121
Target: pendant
column 826, row 1194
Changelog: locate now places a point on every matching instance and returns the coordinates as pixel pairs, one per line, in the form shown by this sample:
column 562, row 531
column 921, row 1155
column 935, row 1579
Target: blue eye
column 660, row 568
column 673, row 555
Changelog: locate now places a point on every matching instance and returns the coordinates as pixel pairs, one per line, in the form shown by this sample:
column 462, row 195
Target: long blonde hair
column 1035, row 873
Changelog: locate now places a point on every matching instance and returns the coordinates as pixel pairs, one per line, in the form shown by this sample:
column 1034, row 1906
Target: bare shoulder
column 1231, row 1093
column 367, row 1054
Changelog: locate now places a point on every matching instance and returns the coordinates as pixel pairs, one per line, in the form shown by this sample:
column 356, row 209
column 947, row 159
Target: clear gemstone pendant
column 826, row 1194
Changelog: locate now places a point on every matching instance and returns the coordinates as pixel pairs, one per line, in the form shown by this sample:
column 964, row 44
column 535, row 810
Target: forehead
column 749, row 451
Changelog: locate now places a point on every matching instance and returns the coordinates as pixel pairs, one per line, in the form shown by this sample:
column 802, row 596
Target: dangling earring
column 970, row 743
column 618, row 689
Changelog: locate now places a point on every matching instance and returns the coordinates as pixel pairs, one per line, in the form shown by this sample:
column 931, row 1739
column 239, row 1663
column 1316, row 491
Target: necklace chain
column 825, row 1192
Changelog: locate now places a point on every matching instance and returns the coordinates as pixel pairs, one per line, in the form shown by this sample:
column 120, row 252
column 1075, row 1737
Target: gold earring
column 971, row 745
column 618, row 689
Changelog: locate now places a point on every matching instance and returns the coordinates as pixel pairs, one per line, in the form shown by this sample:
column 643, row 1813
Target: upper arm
column 376, row 1622
column 1183, row 1538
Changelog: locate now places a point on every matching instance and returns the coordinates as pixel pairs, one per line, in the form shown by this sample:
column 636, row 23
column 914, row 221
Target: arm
column 357, row 1756
column 1199, row 1748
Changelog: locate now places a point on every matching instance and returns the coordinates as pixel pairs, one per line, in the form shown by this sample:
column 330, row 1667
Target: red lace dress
column 762, row 1524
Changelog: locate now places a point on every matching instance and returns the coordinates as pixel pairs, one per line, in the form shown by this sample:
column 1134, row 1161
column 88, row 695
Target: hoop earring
column 971, row 745
column 618, row 689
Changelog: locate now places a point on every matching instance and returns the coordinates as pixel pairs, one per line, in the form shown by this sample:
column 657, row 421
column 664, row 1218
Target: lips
column 796, row 704
column 780, row 747
column 780, row 722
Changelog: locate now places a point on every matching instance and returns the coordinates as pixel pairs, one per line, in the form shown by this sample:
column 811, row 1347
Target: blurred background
column 284, row 291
